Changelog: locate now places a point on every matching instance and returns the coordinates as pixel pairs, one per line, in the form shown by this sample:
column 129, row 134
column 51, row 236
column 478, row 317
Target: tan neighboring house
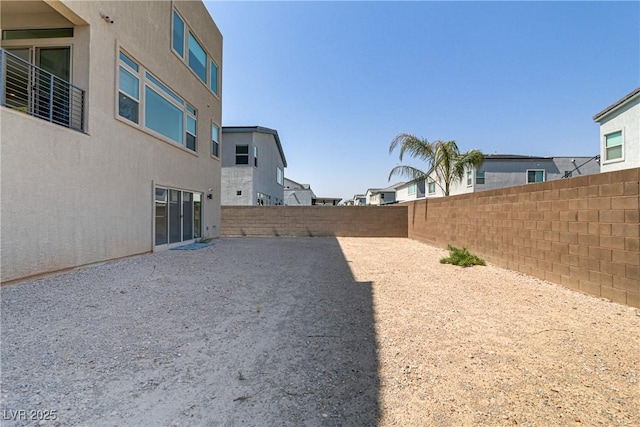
column 110, row 130
column 620, row 133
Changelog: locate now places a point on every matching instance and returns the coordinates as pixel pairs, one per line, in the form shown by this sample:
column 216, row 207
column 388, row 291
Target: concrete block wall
column 583, row 233
column 346, row 221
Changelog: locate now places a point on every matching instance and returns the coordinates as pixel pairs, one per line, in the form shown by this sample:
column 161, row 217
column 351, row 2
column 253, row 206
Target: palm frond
column 413, row 174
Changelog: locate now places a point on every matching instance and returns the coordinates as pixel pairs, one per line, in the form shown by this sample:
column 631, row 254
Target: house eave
column 617, row 105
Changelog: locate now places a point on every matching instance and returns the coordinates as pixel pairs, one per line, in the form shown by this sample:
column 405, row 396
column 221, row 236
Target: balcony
column 37, row 92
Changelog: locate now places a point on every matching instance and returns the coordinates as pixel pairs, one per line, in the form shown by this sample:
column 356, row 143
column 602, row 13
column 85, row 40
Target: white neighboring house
column 620, row 133
column 382, row 196
column 296, row 194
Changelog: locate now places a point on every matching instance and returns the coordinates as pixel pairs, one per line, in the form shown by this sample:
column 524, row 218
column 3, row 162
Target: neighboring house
column 382, row 196
column 620, row 133
column 508, row 170
column 296, row 194
column 410, row 191
column 356, row 200
column 110, row 112
column 253, row 165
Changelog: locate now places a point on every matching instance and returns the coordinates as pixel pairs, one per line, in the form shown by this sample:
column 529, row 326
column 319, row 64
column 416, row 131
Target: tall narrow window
column 432, row 186
column 175, row 232
column 129, row 89
column 613, row 146
column 191, row 128
column 161, row 216
column 480, row 178
column 178, row 34
column 411, row 190
column 213, row 82
column 197, row 58
column 469, row 178
column 242, row 154
column 215, row 140
column 187, row 215
column 197, row 216
column 255, row 155
column 279, row 176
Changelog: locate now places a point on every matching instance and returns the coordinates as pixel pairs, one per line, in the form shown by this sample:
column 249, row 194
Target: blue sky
column 339, row 80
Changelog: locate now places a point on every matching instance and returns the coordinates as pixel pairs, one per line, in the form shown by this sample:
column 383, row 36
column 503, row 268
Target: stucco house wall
column 72, row 198
column 257, row 176
column 623, row 116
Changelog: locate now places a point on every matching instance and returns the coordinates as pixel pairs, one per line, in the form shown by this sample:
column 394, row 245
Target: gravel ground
column 312, row 331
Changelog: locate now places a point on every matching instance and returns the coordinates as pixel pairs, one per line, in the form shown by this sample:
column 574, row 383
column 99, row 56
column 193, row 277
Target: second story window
column 242, row 154
column 215, row 140
column 535, row 175
column 192, row 127
column 613, row 146
column 255, row 155
column 161, row 110
column 432, row 187
column 469, row 178
column 480, row 178
column 279, row 176
column 412, row 189
column 128, row 89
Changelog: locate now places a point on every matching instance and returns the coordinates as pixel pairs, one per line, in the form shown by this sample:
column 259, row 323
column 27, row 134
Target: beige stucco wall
column 69, row 198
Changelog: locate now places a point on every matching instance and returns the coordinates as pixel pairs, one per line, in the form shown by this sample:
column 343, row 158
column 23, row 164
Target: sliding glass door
column 178, row 216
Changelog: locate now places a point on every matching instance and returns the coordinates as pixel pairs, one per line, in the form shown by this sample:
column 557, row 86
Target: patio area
column 313, row 331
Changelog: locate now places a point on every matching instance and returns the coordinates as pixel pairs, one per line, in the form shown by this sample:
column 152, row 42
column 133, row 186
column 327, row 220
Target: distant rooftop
column 247, row 129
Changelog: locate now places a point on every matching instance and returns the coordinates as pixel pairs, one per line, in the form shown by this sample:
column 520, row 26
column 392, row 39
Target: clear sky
column 339, row 80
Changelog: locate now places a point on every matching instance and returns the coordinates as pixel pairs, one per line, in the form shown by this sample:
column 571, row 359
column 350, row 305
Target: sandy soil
column 313, row 331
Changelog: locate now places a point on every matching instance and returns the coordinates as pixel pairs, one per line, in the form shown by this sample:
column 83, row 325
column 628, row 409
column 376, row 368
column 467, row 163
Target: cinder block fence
column 583, row 233
column 347, row 221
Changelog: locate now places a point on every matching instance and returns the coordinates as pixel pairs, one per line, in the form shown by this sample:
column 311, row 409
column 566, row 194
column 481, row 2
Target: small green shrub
column 461, row 257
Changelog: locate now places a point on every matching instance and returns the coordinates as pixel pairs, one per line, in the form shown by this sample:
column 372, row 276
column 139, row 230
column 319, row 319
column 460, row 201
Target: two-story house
column 620, row 133
column 110, row 130
column 253, row 165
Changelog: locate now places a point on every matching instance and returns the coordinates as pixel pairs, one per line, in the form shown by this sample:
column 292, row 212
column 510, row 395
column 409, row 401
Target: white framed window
column 188, row 48
column 192, row 128
column 480, row 178
column 178, row 216
column 213, row 77
column 431, row 185
column 411, row 190
column 255, row 155
column 215, row 140
column 613, row 146
column 535, row 175
column 469, row 178
column 279, row 176
column 128, row 89
column 160, row 110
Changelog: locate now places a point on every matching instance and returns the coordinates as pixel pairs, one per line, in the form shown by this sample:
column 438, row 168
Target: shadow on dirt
column 251, row 331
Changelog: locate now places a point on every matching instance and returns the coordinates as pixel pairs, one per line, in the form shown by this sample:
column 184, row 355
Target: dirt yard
column 313, row 332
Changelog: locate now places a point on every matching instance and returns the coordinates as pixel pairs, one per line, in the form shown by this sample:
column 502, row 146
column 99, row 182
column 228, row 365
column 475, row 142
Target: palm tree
column 443, row 159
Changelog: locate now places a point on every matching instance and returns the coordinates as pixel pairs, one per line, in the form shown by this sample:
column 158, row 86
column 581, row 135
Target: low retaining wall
column 583, row 233
column 346, row 221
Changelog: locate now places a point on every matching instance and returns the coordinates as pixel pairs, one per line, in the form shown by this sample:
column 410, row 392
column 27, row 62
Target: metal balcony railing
column 28, row 88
